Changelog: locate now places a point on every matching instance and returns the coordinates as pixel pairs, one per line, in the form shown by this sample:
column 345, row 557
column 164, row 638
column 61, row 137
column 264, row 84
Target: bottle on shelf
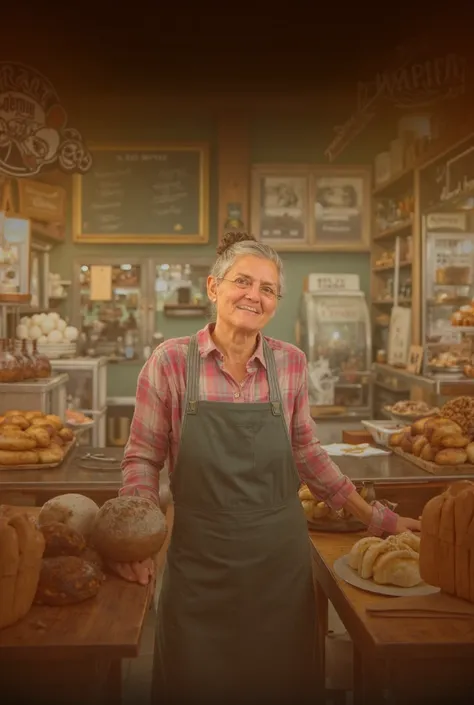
column 41, row 362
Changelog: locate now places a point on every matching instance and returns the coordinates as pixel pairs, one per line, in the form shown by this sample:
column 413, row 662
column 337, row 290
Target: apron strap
column 274, row 387
column 192, row 377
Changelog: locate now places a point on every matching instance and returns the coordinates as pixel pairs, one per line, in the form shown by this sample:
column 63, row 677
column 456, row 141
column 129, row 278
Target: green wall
column 276, row 140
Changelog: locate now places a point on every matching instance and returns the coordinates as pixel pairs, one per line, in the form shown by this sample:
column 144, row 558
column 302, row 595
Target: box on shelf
column 46, row 395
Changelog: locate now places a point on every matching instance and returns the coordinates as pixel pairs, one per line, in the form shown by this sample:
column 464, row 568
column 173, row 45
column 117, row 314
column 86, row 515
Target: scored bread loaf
column 447, row 541
column 128, row 529
column 67, row 580
column 21, row 552
column 61, row 540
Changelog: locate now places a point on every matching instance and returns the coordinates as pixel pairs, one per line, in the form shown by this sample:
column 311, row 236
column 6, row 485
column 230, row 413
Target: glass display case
column 448, row 287
column 335, row 334
column 115, row 325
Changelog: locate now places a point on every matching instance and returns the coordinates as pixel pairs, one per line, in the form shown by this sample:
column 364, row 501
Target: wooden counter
column 76, row 649
column 418, row 659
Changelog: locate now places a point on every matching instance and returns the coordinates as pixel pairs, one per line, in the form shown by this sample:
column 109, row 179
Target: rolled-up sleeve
column 147, row 447
column 315, row 467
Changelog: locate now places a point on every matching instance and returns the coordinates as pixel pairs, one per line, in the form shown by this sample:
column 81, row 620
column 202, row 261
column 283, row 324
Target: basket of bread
column 61, row 557
column 442, row 441
column 33, row 439
column 388, row 566
column 321, row 517
column 409, row 411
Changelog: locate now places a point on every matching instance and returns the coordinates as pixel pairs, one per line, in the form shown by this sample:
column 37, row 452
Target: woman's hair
column 238, row 244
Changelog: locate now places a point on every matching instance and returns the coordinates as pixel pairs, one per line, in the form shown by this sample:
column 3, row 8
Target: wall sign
column 142, row 194
column 34, row 134
column 333, row 282
column 42, row 201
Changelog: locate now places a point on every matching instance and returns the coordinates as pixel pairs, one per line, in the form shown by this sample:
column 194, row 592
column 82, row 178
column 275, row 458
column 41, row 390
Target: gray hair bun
column 232, row 238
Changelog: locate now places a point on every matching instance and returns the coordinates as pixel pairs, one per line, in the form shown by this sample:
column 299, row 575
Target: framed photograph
column 280, row 206
column 340, row 203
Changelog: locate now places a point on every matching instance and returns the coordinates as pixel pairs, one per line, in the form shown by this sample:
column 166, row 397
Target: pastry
column 399, row 568
column 451, row 456
column 18, row 441
column 18, row 457
column 357, row 551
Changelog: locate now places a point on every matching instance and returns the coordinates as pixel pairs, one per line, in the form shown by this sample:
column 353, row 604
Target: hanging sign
column 33, row 126
column 416, row 83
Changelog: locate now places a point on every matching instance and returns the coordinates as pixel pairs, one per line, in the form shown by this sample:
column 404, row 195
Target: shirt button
column 236, row 395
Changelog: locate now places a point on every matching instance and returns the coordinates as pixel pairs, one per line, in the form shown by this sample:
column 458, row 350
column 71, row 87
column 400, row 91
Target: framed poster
column 280, row 206
column 149, row 193
column 341, row 215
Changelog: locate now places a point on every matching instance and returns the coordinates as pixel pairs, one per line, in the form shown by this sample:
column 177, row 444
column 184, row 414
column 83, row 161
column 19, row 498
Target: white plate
column 80, row 426
column 346, row 573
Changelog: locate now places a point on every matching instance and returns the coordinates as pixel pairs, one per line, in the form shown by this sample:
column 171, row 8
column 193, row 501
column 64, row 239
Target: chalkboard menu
column 449, row 176
column 138, row 194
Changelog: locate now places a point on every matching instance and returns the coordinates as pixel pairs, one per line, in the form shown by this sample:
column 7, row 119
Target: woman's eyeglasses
column 246, row 283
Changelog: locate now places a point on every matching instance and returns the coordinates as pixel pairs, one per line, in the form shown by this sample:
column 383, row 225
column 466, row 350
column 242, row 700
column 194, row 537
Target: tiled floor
column 137, row 672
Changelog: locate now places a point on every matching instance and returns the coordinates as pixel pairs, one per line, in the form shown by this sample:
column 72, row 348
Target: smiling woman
column 229, row 408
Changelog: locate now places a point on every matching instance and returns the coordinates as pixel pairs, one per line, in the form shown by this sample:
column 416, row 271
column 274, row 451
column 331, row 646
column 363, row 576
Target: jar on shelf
column 10, row 370
column 41, row 362
column 18, row 357
column 29, row 371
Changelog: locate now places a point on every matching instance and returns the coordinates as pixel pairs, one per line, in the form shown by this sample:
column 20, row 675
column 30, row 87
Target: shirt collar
column 207, row 346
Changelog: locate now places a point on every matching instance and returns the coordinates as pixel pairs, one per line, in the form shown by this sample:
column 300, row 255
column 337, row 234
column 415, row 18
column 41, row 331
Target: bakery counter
column 76, row 474
column 390, row 469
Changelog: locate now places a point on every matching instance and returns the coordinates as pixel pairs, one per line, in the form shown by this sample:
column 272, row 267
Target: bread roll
column 428, row 453
column 18, row 441
column 48, row 456
column 29, row 415
column 450, row 441
column 13, row 458
column 74, row 510
column 418, row 445
column 128, row 529
column 54, row 421
column 321, row 510
column 22, row 547
column 396, row 438
column 444, row 425
column 371, row 555
column 399, row 568
column 358, row 549
column 470, row 453
column 66, row 434
column 19, row 420
column 39, row 435
column 451, row 456
column 61, row 540
column 67, row 580
column 417, row 428
column 410, row 539
column 304, row 493
column 307, row 505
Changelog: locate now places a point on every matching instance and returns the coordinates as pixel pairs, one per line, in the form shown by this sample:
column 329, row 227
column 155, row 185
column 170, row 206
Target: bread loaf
column 62, row 540
column 128, row 529
column 447, row 541
column 400, row 568
column 66, row 580
column 21, row 551
column 75, row 510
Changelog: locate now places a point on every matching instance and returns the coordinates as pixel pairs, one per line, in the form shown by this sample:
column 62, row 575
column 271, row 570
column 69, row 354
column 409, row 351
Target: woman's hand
column 140, row 572
column 407, row 524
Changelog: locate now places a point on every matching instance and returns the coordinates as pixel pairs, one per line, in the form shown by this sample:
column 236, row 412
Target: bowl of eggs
column 54, row 337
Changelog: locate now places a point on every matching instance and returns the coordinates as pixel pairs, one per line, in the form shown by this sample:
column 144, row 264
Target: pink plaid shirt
column 156, row 425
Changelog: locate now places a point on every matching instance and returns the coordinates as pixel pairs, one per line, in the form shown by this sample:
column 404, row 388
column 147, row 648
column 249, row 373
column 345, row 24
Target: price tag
column 101, row 283
column 333, row 282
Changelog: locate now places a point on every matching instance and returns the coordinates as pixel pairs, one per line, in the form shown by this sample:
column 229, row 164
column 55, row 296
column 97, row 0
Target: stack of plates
column 53, row 351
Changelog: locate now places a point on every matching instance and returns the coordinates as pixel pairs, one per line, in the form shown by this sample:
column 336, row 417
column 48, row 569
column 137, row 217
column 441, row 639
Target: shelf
column 394, row 231
column 395, row 184
column 390, row 302
column 390, row 267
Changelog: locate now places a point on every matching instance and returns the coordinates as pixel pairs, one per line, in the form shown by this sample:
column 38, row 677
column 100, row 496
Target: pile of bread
column 446, row 439
column 447, row 541
column 393, row 561
column 61, row 557
column 316, row 509
column 32, row 438
column 464, row 316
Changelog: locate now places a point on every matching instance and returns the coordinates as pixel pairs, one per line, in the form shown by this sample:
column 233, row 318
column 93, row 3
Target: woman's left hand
column 407, row 524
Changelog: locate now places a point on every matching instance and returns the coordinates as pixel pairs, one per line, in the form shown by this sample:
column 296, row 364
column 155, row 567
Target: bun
column 230, row 239
column 66, row 580
column 358, row 550
column 400, row 568
column 61, row 540
column 75, row 510
column 128, row 529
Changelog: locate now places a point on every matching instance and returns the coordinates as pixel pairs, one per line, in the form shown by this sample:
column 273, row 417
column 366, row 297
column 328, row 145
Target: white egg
column 55, row 336
column 71, row 333
column 42, row 340
column 35, row 332
column 47, row 326
column 25, row 321
column 21, row 332
column 61, row 325
column 36, row 319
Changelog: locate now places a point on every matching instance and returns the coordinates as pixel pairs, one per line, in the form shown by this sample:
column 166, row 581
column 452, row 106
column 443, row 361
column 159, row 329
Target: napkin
column 436, row 606
column 361, row 450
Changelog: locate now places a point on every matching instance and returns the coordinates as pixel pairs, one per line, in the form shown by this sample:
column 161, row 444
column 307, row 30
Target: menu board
column 136, row 194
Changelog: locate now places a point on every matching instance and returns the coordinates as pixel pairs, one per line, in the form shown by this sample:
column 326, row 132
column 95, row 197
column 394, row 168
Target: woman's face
column 246, row 298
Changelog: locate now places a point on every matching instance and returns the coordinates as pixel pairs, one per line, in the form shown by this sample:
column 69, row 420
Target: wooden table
column 75, row 652
column 418, row 660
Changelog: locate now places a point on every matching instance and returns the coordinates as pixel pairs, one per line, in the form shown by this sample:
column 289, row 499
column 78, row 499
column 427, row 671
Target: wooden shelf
column 394, row 231
column 396, row 184
column 390, row 267
column 390, row 302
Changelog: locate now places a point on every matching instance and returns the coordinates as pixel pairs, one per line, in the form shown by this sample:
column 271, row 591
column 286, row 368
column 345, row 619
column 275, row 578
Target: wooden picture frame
column 15, row 238
column 341, row 208
column 135, row 184
column 280, row 200
column 415, row 359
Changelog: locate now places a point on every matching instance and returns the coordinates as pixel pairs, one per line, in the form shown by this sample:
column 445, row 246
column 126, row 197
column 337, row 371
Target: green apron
column 236, row 611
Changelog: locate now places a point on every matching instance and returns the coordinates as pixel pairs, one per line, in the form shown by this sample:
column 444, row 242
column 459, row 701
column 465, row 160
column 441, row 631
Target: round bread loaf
column 128, row 529
column 62, row 540
column 66, row 580
column 75, row 510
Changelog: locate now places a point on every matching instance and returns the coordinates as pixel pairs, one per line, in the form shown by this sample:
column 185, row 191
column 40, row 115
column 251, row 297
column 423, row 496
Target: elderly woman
column 230, row 407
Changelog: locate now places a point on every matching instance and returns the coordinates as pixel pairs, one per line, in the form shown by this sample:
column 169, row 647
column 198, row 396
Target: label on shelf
column 333, row 282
